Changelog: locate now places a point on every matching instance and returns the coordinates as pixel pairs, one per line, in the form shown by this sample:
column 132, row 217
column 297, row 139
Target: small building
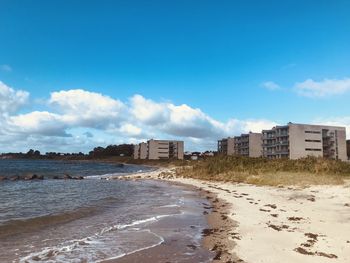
column 296, row 141
column 159, row 149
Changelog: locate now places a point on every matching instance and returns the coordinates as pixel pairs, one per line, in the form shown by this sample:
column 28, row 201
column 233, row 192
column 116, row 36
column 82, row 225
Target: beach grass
column 262, row 171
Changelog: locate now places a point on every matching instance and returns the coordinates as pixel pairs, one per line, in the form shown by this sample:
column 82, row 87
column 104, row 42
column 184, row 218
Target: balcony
column 282, row 143
column 284, row 152
column 282, row 135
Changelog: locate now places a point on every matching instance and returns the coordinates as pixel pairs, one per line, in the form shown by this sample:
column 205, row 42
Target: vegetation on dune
column 262, row 171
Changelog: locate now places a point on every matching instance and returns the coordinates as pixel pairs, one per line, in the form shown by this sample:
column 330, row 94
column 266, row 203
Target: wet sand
column 213, row 242
column 176, row 247
column 220, row 237
column 182, row 235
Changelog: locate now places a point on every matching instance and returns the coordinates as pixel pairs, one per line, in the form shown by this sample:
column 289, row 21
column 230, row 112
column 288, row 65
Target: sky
column 79, row 74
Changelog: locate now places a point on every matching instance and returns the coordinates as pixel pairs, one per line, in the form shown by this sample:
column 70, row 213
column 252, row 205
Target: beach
column 275, row 224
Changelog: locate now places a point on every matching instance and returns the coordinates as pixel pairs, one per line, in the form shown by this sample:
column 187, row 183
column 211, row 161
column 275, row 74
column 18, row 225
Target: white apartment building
column 295, row 141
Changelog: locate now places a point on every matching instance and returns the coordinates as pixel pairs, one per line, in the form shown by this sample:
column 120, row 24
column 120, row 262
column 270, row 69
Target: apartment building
column 249, row 144
column 226, row 146
column 141, row 150
column 159, row 149
column 295, row 141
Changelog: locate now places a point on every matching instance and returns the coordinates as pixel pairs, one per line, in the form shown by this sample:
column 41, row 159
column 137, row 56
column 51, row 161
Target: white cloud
column 86, row 102
column 324, row 88
column 38, row 122
column 88, row 109
column 11, row 100
column 5, row 68
column 270, row 85
column 148, row 111
column 257, row 125
column 130, row 130
column 77, row 117
column 187, row 122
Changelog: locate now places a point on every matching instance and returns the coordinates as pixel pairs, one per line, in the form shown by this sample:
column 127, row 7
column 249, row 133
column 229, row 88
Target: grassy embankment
column 262, row 171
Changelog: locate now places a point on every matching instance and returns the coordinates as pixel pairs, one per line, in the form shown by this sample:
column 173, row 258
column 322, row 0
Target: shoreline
column 277, row 224
column 176, row 245
column 218, row 238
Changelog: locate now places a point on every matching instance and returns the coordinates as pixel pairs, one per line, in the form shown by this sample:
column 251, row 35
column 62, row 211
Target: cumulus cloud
column 38, row 122
column 79, row 100
column 130, row 130
column 256, row 125
column 186, row 122
column 75, row 116
column 175, row 120
column 148, row 111
column 189, row 122
column 11, row 100
column 84, row 108
column 270, row 85
column 324, row 88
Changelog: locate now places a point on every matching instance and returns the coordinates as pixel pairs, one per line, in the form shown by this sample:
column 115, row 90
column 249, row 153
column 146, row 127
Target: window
column 313, row 140
column 315, row 150
column 314, row 132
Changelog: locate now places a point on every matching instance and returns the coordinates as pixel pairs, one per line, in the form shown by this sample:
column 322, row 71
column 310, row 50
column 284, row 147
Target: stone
column 67, row 176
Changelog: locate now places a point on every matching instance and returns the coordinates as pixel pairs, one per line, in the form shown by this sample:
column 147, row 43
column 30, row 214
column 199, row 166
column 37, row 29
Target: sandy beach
column 276, row 224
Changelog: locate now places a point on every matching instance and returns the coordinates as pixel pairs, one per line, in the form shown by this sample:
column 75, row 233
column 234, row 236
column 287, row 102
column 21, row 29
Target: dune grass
column 261, row 171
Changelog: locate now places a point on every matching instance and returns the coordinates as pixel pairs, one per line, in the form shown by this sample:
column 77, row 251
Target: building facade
column 296, row 141
column 226, row 146
column 249, row 144
column 159, row 149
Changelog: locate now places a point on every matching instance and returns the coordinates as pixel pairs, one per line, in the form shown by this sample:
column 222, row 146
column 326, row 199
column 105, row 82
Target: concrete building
column 296, row 141
column 249, row 144
column 226, row 146
column 140, row 150
column 159, row 149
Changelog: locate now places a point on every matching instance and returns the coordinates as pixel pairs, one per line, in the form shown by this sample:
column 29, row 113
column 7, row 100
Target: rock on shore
column 33, row 177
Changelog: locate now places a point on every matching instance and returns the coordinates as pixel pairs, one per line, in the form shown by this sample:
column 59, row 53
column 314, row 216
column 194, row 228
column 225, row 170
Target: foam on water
column 89, row 247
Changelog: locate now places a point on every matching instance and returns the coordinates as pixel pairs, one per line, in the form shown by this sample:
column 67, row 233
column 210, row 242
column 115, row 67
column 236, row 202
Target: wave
column 18, row 226
column 169, row 206
column 109, row 175
column 137, row 250
column 50, row 254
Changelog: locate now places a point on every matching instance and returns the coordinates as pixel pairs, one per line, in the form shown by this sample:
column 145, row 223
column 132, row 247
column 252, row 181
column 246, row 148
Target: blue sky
column 236, row 66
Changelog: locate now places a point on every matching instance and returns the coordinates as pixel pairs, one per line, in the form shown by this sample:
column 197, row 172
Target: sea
column 95, row 220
